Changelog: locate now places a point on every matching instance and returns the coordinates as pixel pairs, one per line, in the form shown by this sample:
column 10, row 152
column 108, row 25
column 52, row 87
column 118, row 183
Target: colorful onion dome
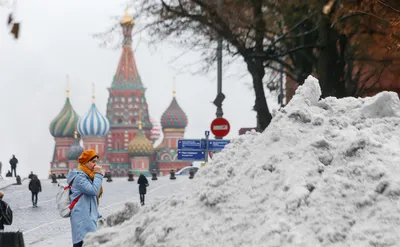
column 64, row 124
column 140, row 145
column 155, row 131
column 94, row 123
column 75, row 150
column 174, row 117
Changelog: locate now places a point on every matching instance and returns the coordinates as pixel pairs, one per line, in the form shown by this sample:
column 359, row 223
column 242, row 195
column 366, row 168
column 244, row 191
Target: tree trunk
column 303, row 59
column 328, row 59
column 340, row 89
column 256, row 68
column 257, row 72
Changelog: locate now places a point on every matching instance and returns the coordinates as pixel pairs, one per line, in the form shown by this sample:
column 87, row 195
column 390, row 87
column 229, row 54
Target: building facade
column 125, row 136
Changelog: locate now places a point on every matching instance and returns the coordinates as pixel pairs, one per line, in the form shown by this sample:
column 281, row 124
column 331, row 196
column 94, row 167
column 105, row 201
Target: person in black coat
column 35, row 187
column 3, row 207
column 143, row 183
column 13, row 163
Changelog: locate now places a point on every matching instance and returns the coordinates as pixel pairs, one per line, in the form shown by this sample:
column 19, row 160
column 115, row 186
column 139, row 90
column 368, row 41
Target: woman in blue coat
column 86, row 184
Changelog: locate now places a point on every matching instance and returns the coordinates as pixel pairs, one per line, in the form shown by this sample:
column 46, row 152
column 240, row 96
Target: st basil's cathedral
column 124, row 138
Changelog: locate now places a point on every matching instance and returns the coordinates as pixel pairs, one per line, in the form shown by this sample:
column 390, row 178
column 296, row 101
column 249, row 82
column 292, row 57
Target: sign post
column 198, row 149
column 207, row 134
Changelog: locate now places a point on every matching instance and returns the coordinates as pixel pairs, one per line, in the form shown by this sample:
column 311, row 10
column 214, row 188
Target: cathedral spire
column 67, row 89
column 127, row 75
column 174, row 88
column 127, row 20
column 93, row 94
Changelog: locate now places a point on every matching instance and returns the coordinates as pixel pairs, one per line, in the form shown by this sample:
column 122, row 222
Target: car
column 185, row 171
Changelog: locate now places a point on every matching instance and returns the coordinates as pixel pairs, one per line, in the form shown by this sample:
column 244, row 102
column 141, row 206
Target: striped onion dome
column 174, row 117
column 64, row 124
column 94, row 123
column 155, row 131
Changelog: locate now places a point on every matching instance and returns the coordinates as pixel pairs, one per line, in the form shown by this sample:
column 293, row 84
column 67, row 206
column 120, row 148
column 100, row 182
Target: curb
column 5, row 187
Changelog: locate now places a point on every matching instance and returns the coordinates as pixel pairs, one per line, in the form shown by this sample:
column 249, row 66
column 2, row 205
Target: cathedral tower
column 126, row 100
column 173, row 123
column 62, row 128
column 93, row 129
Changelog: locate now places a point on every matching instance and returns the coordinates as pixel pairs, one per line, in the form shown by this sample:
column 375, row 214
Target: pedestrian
column 13, row 163
column 5, row 213
column 87, row 182
column 143, row 183
column 35, row 187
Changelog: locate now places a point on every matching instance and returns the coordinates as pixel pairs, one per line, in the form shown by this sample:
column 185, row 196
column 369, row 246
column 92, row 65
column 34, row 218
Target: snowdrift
column 325, row 173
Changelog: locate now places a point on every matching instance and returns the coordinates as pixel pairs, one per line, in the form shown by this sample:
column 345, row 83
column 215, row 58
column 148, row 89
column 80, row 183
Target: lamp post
column 220, row 96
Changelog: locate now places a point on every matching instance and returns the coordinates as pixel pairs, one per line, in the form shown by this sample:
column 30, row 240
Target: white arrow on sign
column 220, row 127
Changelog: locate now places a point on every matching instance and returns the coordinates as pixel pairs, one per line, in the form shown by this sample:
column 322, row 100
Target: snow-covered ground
column 6, row 182
column 324, row 173
column 43, row 226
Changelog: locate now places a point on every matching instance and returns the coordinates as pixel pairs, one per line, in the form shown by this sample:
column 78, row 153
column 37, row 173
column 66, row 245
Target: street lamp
column 220, row 96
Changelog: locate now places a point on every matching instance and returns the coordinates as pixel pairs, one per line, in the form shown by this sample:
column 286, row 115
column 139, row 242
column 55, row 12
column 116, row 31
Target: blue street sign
column 216, row 145
column 188, row 144
column 207, row 133
column 191, row 155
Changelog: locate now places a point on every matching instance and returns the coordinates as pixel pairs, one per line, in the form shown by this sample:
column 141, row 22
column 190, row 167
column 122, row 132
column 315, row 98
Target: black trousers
column 34, row 198
column 142, row 198
column 78, row 244
column 15, row 171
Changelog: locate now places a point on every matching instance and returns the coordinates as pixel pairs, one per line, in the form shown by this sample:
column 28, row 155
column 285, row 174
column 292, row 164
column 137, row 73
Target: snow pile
column 325, row 173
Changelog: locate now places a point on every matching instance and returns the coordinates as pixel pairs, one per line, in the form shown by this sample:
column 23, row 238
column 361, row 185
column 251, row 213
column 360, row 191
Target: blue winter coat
column 85, row 213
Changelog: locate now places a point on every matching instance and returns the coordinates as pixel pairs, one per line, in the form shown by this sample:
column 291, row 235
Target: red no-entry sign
column 220, row 127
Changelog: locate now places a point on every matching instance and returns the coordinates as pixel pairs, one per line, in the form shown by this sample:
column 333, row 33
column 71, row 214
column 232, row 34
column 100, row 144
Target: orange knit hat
column 86, row 156
column 1, row 194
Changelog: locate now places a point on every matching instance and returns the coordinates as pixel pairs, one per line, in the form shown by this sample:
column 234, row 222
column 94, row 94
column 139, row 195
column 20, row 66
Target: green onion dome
column 65, row 123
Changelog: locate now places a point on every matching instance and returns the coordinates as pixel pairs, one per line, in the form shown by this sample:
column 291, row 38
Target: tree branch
column 358, row 13
column 294, row 27
column 387, row 5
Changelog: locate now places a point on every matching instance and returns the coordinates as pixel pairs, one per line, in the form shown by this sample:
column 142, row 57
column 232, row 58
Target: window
column 120, row 121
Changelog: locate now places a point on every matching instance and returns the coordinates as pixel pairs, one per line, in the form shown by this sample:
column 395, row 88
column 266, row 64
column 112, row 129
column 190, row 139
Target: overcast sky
column 56, row 40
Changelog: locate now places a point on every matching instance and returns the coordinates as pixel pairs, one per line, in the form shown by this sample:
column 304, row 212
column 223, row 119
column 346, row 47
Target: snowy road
column 42, row 226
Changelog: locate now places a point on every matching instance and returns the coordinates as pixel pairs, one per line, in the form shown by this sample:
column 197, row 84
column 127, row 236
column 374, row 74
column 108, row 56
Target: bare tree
column 297, row 38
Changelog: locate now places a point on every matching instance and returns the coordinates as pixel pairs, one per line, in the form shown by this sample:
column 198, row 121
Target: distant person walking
column 35, row 187
column 13, row 163
column 6, row 216
column 143, row 183
column 86, row 188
